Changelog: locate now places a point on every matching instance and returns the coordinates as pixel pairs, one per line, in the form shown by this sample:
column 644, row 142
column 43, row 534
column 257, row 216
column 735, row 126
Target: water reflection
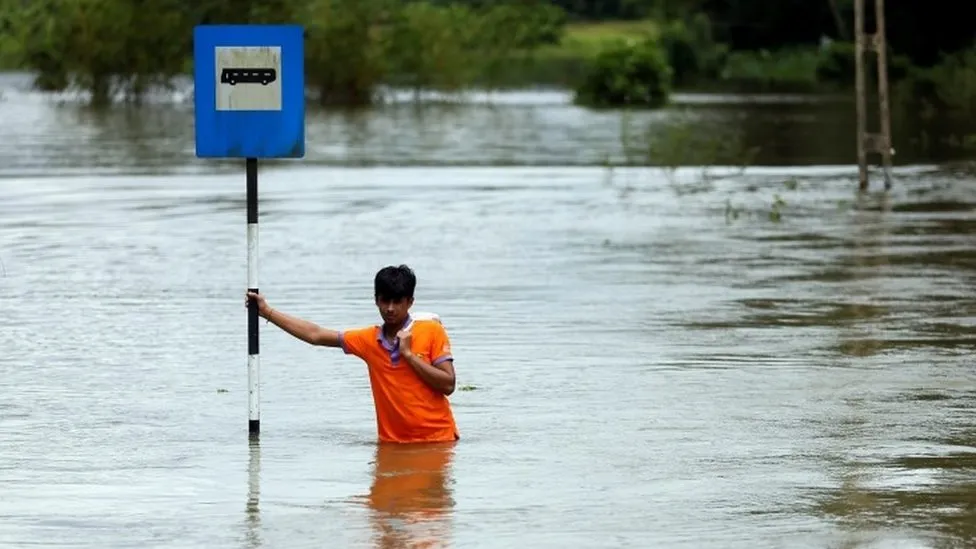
column 43, row 132
column 818, row 358
column 252, row 509
column 866, row 266
column 929, row 494
column 906, row 447
column 411, row 500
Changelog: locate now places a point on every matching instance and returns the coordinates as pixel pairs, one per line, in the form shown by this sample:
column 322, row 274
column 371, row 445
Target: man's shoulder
column 428, row 325
column 362, row 328
column 424, row 315
column 364, row 332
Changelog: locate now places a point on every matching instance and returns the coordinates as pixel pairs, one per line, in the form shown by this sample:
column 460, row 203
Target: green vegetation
column 112, row 48
column 588, row 39
column 355, row 48
column 626, row 74
column 948, row 87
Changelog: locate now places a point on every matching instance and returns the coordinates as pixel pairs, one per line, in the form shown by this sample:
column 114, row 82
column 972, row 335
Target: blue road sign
column 249, row 91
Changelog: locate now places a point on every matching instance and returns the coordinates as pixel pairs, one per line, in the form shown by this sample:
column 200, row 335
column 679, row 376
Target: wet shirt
column 407, row 409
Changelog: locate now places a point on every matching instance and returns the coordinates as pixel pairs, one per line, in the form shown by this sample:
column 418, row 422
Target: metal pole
column 253, row 350
column 859, row 88
column 880, row 44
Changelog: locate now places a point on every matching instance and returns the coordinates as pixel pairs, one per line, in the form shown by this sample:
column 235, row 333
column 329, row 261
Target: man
column 411, row 369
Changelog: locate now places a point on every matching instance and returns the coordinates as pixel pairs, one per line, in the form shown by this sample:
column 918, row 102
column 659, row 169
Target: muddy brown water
column 697, row 358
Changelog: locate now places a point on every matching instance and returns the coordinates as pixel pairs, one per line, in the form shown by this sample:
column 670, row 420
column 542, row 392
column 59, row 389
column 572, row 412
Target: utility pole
column 872, row 142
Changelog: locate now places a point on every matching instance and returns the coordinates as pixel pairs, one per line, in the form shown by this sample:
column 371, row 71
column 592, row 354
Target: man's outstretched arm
column 309, row 332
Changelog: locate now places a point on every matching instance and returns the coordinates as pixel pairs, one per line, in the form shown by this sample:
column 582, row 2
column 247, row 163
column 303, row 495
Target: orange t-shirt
column 407, row 409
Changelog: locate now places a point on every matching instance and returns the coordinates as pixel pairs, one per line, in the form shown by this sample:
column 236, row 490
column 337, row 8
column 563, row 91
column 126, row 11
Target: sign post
column 249, row 102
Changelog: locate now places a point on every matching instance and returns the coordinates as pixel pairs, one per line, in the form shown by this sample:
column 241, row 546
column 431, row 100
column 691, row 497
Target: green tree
column 106, row 47
column 627, row 74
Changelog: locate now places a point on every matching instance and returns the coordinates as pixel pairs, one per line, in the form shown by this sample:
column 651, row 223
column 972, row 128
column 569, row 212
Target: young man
column 411, row 369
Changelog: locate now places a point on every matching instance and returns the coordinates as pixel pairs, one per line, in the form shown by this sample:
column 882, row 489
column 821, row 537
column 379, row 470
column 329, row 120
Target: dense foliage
column 355, row 48
column 120, row 48
column 628, row 75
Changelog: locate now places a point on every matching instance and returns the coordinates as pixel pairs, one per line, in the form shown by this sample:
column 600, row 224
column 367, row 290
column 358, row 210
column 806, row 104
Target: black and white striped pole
column 254, row 108
column 253, row 350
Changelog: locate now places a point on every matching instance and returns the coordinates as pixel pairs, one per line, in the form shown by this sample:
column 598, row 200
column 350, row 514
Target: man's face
column 394, row 311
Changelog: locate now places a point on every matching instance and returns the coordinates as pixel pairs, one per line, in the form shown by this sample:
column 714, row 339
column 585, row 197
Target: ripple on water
column 644, row 370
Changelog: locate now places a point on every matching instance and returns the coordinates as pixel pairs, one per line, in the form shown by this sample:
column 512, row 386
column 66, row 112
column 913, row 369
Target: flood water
column 647, row 358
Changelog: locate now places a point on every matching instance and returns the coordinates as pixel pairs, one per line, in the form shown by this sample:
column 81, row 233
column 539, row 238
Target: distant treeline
column 114, row 48
column 921, row 31
column 353, row 47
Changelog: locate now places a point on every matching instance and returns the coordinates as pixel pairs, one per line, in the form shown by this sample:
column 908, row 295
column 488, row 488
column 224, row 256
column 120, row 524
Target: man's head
column 393, row 289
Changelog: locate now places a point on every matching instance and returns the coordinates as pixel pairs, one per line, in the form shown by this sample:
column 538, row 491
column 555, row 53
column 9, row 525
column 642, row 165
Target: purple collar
column 391, row 345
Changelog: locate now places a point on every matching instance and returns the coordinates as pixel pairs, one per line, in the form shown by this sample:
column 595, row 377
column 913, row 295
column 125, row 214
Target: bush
column 627, row 74
column 691, row 50
column 948, row 87
column 836, row 65
column 102, row 47
column 426, row 47
column 344, row 57
column 955, row 79
column 785, row 70
column 521, row 25
column 546, row 24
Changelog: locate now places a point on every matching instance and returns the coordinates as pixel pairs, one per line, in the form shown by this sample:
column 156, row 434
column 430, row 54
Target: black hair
column 394, row 283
